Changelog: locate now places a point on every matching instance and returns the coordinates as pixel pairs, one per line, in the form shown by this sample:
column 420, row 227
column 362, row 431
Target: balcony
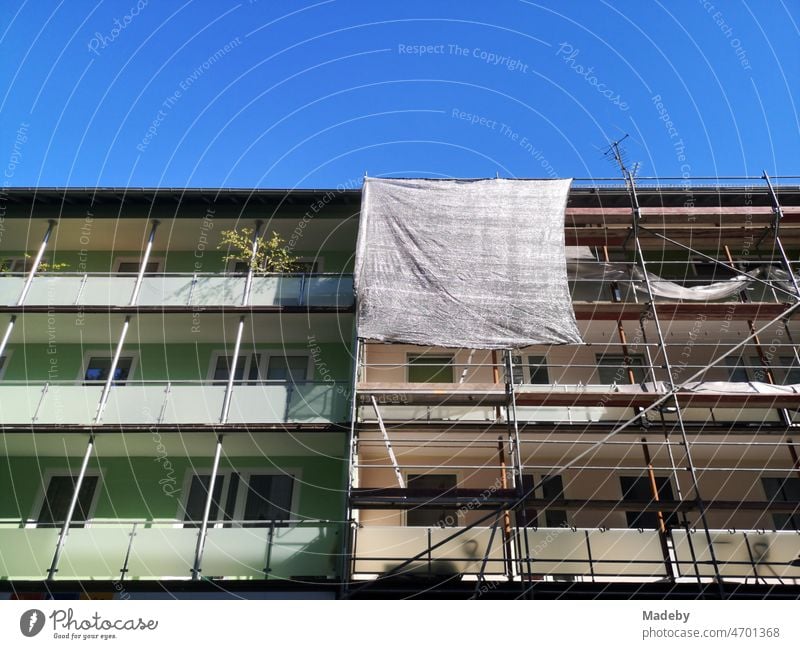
column 126, row 550
column 148, row 403
column 180, row 291
column 585, row 554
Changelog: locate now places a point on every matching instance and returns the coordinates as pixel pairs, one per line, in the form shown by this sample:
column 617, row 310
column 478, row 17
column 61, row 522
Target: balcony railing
column 587, row 554
column 180, row 290
column 165, row 403
column 125, row 550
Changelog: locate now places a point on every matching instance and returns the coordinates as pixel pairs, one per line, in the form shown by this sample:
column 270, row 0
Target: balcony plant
column 272, row 254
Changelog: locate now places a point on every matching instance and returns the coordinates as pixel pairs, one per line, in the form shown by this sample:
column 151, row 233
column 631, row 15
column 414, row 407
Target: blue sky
column 211, row 93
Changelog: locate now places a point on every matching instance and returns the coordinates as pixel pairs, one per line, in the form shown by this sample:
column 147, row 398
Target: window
column 287, row 368
column 430, row 369
column 132, row 266
column 260, row 367
column 436, row 516
column 16, row 264
column 612, row 369
column 708, row 271
column 785, row 490
column 785, row 370
column 57, row 499
column 552, row 488
column 240, row 498
column 737, row 372
column 640, row 489
column 530, row 369
column 98, row 367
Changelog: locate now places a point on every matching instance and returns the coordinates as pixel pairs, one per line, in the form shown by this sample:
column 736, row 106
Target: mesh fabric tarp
column 464, row 263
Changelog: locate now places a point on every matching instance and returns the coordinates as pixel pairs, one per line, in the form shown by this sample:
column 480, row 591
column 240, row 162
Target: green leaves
column 271, row 254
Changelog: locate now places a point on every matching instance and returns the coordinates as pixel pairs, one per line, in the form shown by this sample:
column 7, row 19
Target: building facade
column 228, row 431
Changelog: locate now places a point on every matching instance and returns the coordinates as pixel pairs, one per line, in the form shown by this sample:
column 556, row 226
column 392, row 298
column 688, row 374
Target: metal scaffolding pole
column 636, row 214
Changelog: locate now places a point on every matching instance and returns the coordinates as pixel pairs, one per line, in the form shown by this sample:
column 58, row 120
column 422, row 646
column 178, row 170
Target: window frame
column 240, row 502
column 426, row 357
column 599, row 358
column 118, row 261
column 89, row 354
column 264, row 356
column 671, row 521
column 32, row 522
column 536, row 478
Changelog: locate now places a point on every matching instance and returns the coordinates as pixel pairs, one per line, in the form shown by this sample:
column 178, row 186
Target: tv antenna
column 616, row 154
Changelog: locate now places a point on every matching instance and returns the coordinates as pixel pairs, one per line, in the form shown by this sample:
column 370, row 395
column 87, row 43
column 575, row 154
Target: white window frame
column 87, row 356
column 33, row 522
column 241, row 495
column 443, row 470
column 263, row 363
column 138, row 260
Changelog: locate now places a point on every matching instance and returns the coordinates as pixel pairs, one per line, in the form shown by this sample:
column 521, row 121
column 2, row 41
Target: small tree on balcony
column 272, row 255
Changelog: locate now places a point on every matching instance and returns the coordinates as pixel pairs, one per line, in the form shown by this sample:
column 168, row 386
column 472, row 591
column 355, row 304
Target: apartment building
column 174, row 421
column 200, row 408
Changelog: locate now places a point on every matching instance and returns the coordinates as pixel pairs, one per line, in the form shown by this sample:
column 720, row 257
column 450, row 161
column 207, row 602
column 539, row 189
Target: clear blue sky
column 301, row 94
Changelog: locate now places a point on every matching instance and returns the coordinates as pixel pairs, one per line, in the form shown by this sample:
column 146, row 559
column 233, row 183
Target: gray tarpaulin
column 464, row 263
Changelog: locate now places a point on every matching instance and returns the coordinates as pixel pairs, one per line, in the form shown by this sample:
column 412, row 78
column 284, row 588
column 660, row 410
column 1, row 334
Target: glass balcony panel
column 318, row 402
column 101, row 290
column 27, row 553
column 134, row 404
column 263, row 404
column 48, row 289
column 770, row 555
column 94, row 553
column 18, row 403
column 381, row 549
column 465, row 554
column 10, row 288
column 218, row 290
column 192, row 404
column 627, row 552
column 558, row 551
column 69, row 404
column 302, row 551
column 277, row 291
column 163, row 553
column 235, row 552
column 166, row 290
column 329, row 291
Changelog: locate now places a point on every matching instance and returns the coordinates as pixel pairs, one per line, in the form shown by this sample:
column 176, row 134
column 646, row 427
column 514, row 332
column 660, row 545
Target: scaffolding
column 661, row 390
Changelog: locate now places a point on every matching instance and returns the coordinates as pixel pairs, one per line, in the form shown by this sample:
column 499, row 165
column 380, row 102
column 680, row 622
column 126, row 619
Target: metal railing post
column 201, row 535
column 71, row 511
column 143, row 265
column 36, row 263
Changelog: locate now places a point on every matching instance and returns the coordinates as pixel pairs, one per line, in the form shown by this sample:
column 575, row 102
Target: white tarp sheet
column 464, row 263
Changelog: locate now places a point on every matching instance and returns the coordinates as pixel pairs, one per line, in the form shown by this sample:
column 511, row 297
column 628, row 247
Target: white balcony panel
column 211, row 291
column 69, row 404
column 27, row 553
column 300, row 551
column 18, row 403
column 277, row 291
column 163, row 553
column 770, row 554
column 557, row 551
column 94, row 553
column 235, row 552
column 165, row 290
column 134, row 404
column 10, row 288
column 382, row 549
column 259, row 404
column 391, row 412
column 194, row 404
column 465, row 554
column 101, row 290
column 50, row 289
column 627, row 552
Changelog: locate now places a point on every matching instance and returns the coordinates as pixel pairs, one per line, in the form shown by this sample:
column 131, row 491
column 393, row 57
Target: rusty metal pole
column 506, row 513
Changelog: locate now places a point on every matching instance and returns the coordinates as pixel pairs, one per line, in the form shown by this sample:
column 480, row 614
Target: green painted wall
column 140, row 487
column 172, row 361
